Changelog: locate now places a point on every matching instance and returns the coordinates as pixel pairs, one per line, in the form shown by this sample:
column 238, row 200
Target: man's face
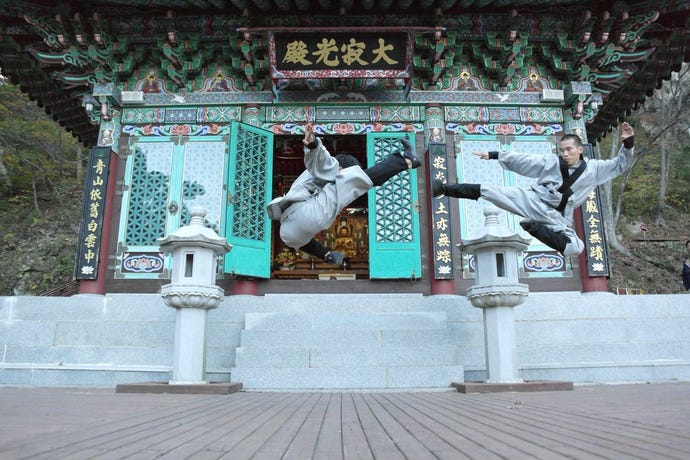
column 570, row 152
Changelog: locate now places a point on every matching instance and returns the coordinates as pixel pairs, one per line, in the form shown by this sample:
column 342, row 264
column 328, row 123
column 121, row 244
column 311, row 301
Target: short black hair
column 346, row 161
column 572, row 137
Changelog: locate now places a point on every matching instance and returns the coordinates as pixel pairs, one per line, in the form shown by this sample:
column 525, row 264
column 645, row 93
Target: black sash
column 568, row 180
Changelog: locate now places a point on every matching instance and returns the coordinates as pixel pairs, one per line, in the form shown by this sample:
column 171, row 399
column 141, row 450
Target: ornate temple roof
column 57, row 54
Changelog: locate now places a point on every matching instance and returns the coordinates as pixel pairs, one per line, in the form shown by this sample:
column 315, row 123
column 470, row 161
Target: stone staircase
column 375, row 342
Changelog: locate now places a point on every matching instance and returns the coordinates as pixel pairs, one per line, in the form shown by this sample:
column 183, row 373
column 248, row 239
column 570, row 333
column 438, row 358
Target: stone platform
column 212, row 388
column 536, row 385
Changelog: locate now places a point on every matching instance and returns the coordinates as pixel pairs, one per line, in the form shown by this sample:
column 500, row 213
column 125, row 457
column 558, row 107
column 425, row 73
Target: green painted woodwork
column 249, row 184
column 147, row 193
column 165, row 177
column 473, row 114
column 472, row 170
column 74, row 46
column 186, row 57
column 394, row 235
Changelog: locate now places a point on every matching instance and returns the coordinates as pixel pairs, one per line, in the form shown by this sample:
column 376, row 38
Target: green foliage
column 677, row 194
column 34, row 150
column 642, row 189
column 40, row 197
column 641, row 194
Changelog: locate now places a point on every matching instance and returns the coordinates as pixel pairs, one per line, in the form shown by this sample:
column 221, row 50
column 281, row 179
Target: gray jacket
column 546, row 169
column 318, row 195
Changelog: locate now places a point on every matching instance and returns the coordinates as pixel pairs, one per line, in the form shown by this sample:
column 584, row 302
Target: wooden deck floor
column 616, row 422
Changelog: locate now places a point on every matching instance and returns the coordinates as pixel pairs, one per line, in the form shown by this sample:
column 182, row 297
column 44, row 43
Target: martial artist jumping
column 564, row 182
column 325, row 188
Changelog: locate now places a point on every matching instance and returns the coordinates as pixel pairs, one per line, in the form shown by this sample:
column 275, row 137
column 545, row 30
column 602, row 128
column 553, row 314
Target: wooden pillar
column 437, row 168
column 437, row 286
column 577, row 93
column 244, row 287
column 97, row 286
column 589, row 283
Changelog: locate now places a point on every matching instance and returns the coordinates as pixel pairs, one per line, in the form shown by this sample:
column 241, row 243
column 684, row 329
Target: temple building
column 203, row 103
column 194, row 113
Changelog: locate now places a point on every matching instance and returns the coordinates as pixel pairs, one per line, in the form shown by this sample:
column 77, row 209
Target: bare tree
column 665, row 123
column 4, row 176
column 612, row 213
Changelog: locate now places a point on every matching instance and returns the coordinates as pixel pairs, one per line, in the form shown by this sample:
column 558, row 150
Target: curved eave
column 667, row 58
column 62, row 96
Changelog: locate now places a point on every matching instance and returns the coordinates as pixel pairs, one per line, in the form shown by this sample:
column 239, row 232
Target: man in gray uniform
column 327, row 186
column 564, row 182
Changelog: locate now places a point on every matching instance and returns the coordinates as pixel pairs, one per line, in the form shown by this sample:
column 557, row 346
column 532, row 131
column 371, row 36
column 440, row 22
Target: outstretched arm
column 627, row 135
column 605, row 170
column 308, row 135
column 319, row 162
column 524, row 164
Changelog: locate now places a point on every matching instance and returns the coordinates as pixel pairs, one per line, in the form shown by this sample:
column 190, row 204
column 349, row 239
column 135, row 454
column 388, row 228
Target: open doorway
column 349, row 233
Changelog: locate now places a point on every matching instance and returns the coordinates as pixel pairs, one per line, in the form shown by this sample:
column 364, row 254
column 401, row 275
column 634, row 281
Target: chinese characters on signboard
column 440, row 218
column 595, row 239
column 90, row 232
column 340, row 54
column 594, row 236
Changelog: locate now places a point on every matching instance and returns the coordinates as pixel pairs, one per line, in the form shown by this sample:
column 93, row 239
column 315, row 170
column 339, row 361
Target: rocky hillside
column 656, row 257
column 38, row 250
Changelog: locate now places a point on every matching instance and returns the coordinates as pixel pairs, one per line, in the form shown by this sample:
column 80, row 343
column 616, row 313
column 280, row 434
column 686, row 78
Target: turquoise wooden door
column 165, row 177
column 394, row 243
column 248, row 228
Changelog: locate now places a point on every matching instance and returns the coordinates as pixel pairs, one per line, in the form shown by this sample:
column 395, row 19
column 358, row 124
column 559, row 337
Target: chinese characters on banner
column 594, row 236
column 89, row 242
column 442, row 249
column 340, row 54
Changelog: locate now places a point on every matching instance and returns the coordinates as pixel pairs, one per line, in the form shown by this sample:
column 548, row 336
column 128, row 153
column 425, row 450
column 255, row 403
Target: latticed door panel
column 202, row 181
column 393, row 216
column 164, row 179
column 249, row 190
column 148, row 183
column 473, row 170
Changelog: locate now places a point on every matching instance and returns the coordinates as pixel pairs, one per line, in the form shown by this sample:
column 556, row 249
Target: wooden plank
column 193, row 442
column 95, row 437
column 157, row 439
column 634, row 421
column 404, row 440
column 355, row 444
column 277, row 445
column 412, row 421
column 239, row 432
column 381, row 445
column 597, row 429
column 468, row 438
column 304, row 442
column 534, row 430
column 498, row 424
column 329, row 444
column 264, row 433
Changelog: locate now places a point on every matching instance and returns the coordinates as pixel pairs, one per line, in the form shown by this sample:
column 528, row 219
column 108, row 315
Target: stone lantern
column 192, row 292
column 496, row 291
